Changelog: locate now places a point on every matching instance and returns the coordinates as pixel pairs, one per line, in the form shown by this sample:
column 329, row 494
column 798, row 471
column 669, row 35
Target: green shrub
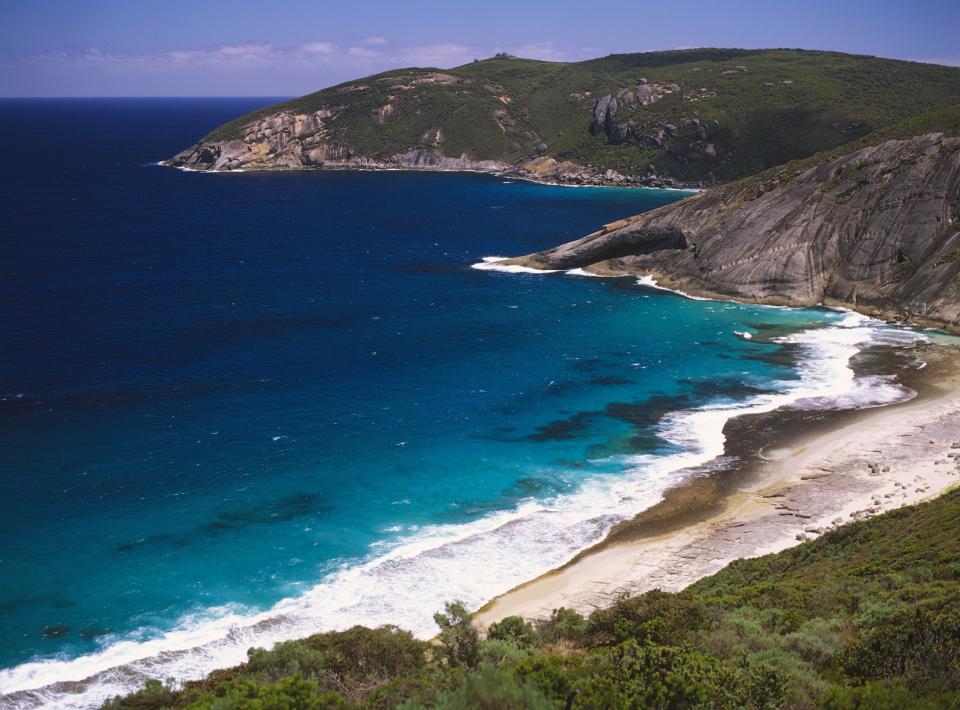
column 874, row 612
column 646, row 676
column 736, row 634
column 290, row 693
column 656, row 617
column 883, row 696
column 360, row 652
column 287, row 658
column 903, row 270
column 459, row 638
column 798, row 680
column 818, row 640
column 154, row 694
column 556, row 675
column 763, row 688
column 410, row 691
column 493, row 689
column 497, row 652
column 514, row 629
column 920, row 645
column 563, row 625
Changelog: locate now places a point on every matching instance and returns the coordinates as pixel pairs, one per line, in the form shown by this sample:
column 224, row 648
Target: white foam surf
column 493, row 263
column 584, row 272
column 185, row 169
column 650, row 282
column 826, row 382
column 405, row 582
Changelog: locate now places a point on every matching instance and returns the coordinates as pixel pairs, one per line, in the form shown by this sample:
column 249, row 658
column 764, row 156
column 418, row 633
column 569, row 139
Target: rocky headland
column 827, row 186
column 876, row 230
column 295, row 141
column 686, row 118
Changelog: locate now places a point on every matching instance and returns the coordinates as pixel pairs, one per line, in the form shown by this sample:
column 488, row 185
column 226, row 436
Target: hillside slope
column 871, row 227
column 691, row 116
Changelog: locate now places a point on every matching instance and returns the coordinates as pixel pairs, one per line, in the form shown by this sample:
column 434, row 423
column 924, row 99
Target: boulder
column 602, row 114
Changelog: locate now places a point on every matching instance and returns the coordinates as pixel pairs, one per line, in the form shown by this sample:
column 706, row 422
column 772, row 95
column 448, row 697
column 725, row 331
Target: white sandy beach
column 886, row 458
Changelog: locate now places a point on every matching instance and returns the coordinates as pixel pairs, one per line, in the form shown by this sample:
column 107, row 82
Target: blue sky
column 291, row 47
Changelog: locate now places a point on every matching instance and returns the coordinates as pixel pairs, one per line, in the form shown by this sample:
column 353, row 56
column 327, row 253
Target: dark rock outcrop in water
column 877, row 230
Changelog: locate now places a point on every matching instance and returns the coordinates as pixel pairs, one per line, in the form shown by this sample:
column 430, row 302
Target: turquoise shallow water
column 238, row 408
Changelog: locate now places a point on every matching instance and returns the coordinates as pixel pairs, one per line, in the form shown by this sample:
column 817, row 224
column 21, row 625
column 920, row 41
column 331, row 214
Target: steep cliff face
column 877, row 229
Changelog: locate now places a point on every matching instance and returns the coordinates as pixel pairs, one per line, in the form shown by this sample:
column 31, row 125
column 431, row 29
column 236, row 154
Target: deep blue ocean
column 244, row 407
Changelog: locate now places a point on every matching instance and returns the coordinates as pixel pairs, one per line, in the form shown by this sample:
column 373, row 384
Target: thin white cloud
column 363, row 53
column 377, row 41
column 317, row 48
column 246, row 50
column 234, row 54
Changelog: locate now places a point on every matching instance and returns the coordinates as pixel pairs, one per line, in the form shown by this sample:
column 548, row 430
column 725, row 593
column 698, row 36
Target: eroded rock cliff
column 877, row 230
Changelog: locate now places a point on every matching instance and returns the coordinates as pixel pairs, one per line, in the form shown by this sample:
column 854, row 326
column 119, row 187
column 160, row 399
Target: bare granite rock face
column 603, row 112
column 281, row 140
column 630, row 125
column 877, row 230
column 286, row 140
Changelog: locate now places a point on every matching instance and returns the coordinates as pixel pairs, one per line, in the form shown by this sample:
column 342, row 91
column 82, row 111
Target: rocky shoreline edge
column 542, row 170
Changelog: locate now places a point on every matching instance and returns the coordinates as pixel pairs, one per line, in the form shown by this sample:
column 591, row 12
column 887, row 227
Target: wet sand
column 789, row 476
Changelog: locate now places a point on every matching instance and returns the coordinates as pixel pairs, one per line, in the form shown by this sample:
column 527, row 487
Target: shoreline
column 504, row 172
column 657, row 279
column 685, row 508
column 798, row 474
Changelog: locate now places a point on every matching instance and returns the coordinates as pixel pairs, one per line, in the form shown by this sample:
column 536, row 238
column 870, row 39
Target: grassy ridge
column 772, row 106
column 943, row 120
column 867, row 616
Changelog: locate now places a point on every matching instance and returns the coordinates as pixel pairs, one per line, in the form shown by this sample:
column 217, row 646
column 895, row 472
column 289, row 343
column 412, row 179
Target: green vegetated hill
column 696, row 115
column 944, row 120
column 867, row 616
